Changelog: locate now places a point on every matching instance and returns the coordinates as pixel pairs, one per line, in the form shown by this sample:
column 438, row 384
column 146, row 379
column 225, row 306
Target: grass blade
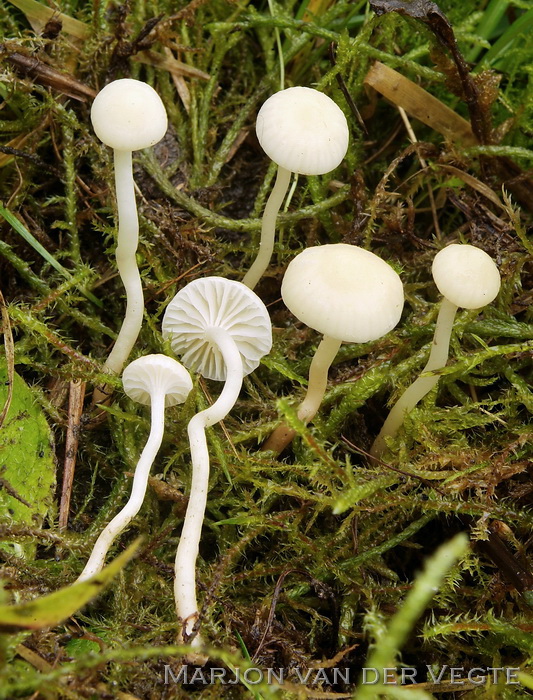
column 19, row 227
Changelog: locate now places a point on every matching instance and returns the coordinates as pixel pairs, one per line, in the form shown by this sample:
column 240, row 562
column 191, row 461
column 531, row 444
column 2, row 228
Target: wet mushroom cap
column 466, row 276
column 303, row 130
column 216, row 302
column 151, row 373
column 344, row 292
column 128, row 115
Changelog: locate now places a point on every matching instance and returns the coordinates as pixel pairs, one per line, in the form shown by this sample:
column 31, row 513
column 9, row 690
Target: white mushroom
column 466, row 277
column 221, row 329
column 127, row 115
column 303, row 131
column 348, row 294
column 157, row 381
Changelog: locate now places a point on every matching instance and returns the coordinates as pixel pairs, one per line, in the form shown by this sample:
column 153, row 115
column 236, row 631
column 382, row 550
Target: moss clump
column 305, row 559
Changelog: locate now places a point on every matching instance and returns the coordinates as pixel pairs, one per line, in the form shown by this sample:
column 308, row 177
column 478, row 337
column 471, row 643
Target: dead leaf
column 432, row 16
column 419, row 103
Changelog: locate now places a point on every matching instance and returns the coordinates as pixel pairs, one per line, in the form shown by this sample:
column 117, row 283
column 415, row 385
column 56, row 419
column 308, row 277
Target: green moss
column 310, row 558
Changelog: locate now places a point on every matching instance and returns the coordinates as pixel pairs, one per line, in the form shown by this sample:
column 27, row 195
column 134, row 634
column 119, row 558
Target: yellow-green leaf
column 27, row 462
column 52, row 609
column 40, row 14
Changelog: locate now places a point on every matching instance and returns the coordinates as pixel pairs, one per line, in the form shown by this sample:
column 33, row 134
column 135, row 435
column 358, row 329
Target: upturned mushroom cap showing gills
column 151, row 373
column 466, row 275
column 303, row 130
column 128, row 115
column 344, row 292
column 216, row 302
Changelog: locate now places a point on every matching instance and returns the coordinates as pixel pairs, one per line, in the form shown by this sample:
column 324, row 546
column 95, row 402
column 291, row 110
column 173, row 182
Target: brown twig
column 10, row 357
column 323, row 592
column 43, row 74
column 75, row 409
column 423, row 163
column 344, row 88
column 411, row 475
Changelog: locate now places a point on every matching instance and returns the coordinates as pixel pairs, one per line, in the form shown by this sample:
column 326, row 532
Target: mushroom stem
column 318, row 377
column 142, row 470
column 438, row 357
column 128, row 238
column 283, row 435
column 127, row 242
column 268, row 228
column 187, row 553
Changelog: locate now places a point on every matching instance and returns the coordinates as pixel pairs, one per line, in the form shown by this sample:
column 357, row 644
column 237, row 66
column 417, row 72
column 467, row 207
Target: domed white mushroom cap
column 303, row 130
column 216, row 302
column 344, row 292
column 128, row 115
column 152, row 373
column 466, row 275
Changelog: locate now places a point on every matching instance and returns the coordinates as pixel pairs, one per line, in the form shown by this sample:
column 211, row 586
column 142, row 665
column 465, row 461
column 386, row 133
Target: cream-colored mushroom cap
column 344, row 292
column 466, row 276
column 303, row 130
column 216, row 302
column 128, row 115
column 151, row 373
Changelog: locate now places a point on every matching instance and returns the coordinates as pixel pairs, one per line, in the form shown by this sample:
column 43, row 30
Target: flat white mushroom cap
column 303, row 130
column 344, row 292
column 152, row 373
column 216, row 302
column 128, row 115
column 466, row 275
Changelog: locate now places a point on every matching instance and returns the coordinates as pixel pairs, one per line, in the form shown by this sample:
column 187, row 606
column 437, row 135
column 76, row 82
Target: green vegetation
column 317, row 558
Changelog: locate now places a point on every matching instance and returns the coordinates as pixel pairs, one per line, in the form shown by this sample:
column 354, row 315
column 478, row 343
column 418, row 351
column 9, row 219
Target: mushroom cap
column 148, row 374
column 344, row 292
column 466, row 275
column 216, row 302
column 303, row 130
column 128, row 115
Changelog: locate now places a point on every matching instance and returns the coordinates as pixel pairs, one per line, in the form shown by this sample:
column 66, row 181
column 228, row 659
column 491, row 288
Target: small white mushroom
column 221, row 329
column 127, row 115
column 303, row 131
column 466, row 277
column 157, row 381
column 347, row 294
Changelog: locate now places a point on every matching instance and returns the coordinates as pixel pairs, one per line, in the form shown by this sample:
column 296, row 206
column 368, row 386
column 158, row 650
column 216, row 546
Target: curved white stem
column 282, row 436
column 187, row 553
column 438, row 357
column 128, row 239
column 142, row 470
column 318, row 377
column 268, row 228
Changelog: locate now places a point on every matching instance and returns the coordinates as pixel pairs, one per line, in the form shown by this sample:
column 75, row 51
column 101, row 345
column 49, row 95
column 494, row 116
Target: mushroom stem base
column 318, row 379
column 279, row 439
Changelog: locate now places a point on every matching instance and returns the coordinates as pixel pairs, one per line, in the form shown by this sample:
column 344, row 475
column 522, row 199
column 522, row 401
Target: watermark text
column 452, row 675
